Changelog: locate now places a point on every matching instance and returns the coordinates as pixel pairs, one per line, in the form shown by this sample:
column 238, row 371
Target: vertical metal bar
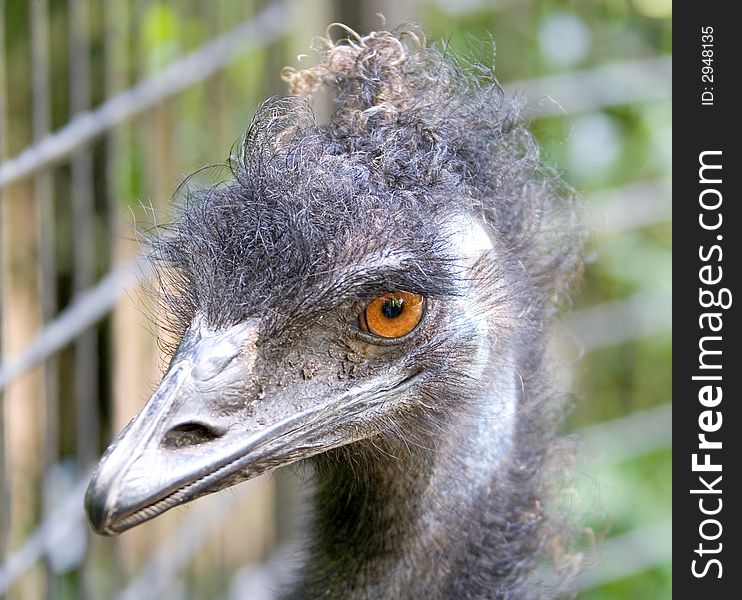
column 273, row 86
column 116, row 61
column 350, row 14
column 46, row 269
column 4, row 492
column 213, row 88
column 44, row 200
column 364, row 17
column 87, row 424
column 395, row 13
column 83, row 217
column 117, row 174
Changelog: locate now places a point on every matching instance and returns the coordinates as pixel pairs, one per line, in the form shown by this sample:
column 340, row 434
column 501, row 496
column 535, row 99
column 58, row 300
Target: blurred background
column 105, row 106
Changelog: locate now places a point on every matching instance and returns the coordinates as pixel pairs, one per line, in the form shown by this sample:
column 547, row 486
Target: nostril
column 191, row 434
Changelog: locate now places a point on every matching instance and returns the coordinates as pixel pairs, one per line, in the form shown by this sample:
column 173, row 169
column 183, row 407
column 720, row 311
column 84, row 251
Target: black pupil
column 392, row 307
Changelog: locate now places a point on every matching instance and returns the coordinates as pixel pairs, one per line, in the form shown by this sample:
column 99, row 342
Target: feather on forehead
column 415, row 139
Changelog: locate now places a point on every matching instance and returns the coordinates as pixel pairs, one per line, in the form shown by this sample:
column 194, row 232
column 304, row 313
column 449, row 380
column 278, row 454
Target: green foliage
column 161, row 32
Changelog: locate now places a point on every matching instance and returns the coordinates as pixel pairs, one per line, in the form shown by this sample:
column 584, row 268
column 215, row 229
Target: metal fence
column 77, row 352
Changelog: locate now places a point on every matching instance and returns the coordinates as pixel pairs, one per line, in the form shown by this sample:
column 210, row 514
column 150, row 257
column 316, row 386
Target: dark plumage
column 429, row 449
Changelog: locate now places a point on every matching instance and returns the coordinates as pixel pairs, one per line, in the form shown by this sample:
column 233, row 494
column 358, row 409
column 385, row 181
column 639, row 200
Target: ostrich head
column 360, row 286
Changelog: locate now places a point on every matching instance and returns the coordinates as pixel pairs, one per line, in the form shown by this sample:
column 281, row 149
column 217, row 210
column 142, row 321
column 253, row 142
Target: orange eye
column 392, row 315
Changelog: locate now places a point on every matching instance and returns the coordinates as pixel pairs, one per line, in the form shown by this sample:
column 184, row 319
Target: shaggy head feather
column 414, row 139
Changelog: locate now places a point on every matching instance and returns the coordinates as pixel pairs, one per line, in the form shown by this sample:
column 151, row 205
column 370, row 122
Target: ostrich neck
column 409, row 518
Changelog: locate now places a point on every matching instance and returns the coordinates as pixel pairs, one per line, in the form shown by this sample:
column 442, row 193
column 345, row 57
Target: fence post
column 4, row 496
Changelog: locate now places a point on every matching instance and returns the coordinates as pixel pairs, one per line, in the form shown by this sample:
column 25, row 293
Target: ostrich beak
column 208, row 426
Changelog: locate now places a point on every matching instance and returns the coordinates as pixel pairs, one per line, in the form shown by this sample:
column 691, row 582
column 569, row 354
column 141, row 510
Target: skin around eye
column 392, row 315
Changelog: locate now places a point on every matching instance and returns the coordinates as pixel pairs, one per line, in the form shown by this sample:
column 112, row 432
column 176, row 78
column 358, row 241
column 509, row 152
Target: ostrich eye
column 392, row 315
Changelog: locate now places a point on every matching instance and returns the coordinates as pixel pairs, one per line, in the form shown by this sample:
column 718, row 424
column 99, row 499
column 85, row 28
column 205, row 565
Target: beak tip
column 96, row 509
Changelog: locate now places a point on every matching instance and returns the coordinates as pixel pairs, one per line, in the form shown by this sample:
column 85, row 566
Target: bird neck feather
column 402, row 517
